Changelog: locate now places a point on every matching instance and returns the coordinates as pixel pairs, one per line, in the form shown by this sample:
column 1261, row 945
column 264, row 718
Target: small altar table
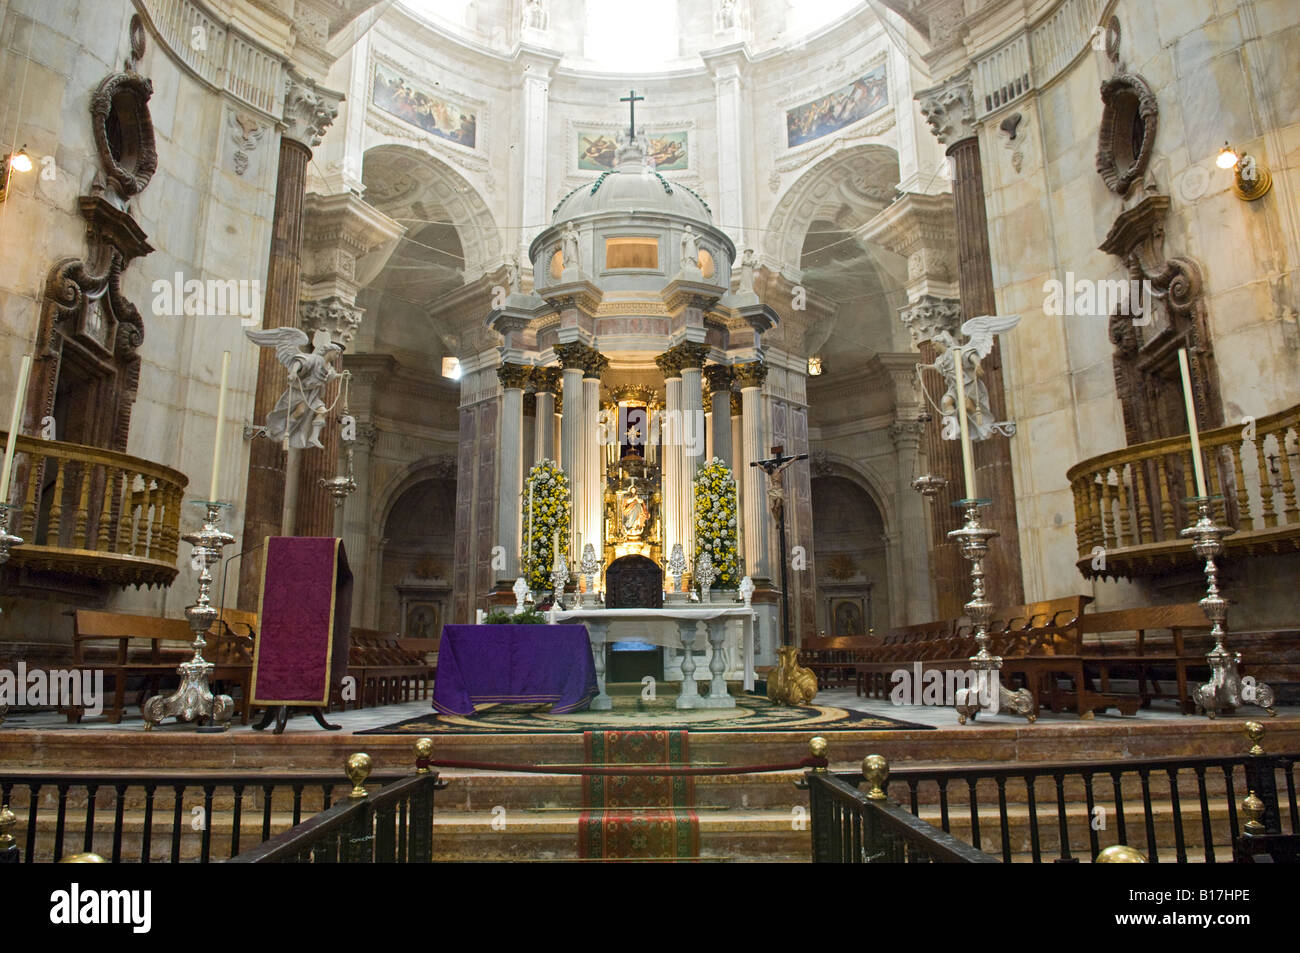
column 672, row 625
column 519, row 664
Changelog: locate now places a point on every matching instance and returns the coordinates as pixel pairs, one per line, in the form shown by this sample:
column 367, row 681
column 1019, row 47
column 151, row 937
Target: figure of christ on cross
column 631, row 99
column 774, row 467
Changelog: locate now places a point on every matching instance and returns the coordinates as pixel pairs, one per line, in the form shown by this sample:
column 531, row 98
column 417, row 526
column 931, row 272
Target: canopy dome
column 632, row 186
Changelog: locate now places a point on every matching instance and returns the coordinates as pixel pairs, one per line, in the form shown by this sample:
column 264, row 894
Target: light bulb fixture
column 18, row 161
column 1250, row 180
column 814, row 366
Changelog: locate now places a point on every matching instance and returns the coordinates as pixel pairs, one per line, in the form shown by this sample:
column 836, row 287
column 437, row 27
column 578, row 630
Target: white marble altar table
column 672, row 625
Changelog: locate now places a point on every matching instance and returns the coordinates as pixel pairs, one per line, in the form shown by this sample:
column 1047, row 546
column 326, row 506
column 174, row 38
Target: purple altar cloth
column 514, row 664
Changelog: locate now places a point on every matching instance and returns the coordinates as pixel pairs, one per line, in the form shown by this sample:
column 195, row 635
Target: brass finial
column 7, row 822
column 1253, row 808
column 358, row 769
column 817, row 747
column 83, row 859
column 875, row 769
column 1120, row 854
column 1255, row 732
column 423, row 755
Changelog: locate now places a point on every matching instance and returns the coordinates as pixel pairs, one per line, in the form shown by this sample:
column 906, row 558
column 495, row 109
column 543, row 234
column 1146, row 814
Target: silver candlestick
column 194, row 700
column 1224, row 691
column 590, row 566
column 704, row 575
column 559, row 576
column 974, row 541
column 677, row 566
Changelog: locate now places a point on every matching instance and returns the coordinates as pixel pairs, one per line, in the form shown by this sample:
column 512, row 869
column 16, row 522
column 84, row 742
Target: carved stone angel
column 299, row 415
column 979, row 415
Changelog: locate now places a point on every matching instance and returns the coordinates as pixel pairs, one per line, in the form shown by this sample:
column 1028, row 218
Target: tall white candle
column 967, row 457
column 221, row 415
column 20, row 398
column 1190, row 401
column 531, row 554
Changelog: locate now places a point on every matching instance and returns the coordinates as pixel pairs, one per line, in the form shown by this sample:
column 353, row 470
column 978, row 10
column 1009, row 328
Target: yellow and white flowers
column 546, row 506
column 715, row 522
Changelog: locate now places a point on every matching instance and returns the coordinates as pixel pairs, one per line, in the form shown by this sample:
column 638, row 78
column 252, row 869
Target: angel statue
column 299, row 415
column 979, row 415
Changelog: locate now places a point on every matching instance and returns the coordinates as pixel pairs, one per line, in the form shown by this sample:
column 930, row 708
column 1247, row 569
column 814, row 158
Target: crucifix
column 631, row 99
column 774, row 467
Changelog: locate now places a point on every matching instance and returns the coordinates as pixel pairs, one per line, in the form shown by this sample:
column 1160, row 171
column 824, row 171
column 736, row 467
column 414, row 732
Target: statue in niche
column 747, row 272
column 535, row 14
column 727, row 15
column 569, row 245
column 690, row 249
column 512, row 274
column 979, row 416
column 633, row 511
column 299, row 415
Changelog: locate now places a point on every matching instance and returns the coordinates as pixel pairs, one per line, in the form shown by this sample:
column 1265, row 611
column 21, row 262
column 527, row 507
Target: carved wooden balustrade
column 95, row 514
column 1130, row 504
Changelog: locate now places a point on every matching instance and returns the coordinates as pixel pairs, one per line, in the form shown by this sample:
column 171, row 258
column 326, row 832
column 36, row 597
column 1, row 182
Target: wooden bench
column 386, row 671
column 835, row 660
column 1127, row 641
column 102, row 641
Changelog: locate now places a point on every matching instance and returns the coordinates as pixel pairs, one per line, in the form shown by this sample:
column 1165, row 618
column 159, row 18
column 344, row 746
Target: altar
column 723, row 628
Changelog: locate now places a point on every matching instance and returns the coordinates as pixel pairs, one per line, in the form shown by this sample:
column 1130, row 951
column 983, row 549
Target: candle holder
column 973, row 538
column 590, row 566
column 559, row 576
column 929, row 486
column 704, row 575
column 520, row 590
column 1224, row 691
column 676, row 569
column 194, row 700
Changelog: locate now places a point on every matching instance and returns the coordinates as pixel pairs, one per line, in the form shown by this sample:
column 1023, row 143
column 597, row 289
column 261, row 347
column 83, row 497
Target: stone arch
column 847, row 187
column 432, row 467
column 407, row 184
column 856, row 559
column 866, row 477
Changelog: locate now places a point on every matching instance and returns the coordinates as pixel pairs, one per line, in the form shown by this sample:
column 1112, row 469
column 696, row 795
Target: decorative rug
column 752, row 713
column 638, row 816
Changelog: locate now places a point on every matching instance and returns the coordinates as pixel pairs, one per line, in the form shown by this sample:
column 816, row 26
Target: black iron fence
column 126, row 816
column 1172, row 809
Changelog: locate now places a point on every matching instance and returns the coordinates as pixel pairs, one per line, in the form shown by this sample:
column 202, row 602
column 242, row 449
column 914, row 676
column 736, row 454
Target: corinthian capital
column 331, row 314
column 949, row 108
column 308, row 110
column 929, row 315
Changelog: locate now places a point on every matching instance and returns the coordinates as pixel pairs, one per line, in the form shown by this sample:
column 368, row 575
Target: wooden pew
column 385, row 671
column 835, row 660
column 103, row 641
column 1126, row 640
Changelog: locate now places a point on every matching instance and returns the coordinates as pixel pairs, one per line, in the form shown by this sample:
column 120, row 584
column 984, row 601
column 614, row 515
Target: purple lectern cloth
column 519, row 664
column 301, row 648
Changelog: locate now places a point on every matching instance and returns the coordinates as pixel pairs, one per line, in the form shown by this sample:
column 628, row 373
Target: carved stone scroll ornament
column 1127, row 132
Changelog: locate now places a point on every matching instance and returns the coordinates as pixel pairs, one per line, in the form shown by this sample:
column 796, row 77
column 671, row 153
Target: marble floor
column 375, row 717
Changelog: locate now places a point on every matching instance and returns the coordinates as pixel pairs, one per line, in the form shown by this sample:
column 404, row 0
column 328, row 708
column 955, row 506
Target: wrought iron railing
column 1130, row 503
column 1179, row 809
column 849, row 827
column 96, row 513
column 211, row 816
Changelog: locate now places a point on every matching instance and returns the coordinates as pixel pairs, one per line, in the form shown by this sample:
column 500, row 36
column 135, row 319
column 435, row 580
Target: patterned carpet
column 638, row 816
column 752, row 713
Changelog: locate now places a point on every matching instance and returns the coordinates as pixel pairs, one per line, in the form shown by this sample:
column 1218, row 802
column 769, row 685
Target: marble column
column 950, row 111
column 357, row 528
column 692, row 361
column 917, row 596
column 593, row 457
column 308, row 112
column 670, row 452
column 546, row 380
column 750, row 378
column 573, row 358
column 719, row 380
column 737, row 457
column 513, row 378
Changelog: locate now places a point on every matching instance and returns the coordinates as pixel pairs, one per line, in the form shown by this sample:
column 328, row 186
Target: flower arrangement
column 546, row 518
column 715, row 522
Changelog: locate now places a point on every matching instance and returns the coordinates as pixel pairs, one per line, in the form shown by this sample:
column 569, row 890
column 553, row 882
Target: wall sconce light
column 18, row 161
column 1250, row 180
column 814, row 366
column 451, row 368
